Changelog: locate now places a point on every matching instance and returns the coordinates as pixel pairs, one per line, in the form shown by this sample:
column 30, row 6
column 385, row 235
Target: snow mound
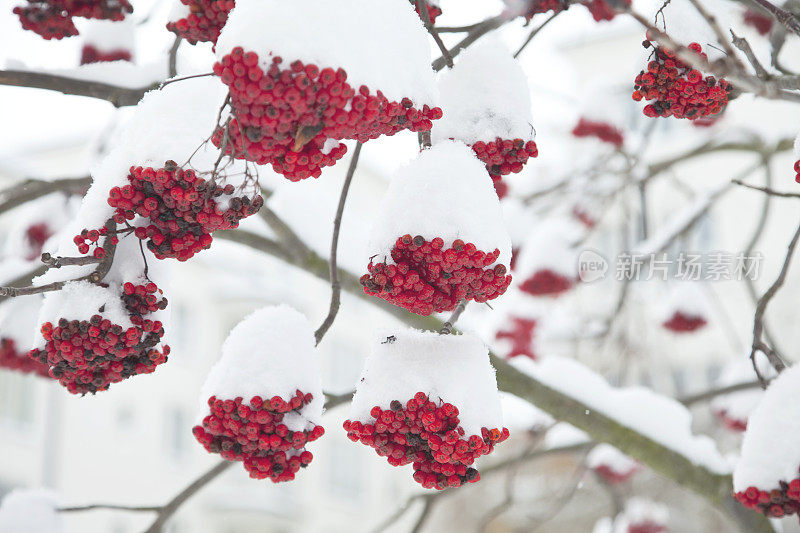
column 269, row 353
column 771, row 445
column 446, row 193
column 110, row 36
column 453, row 368
column 379, row 43
column 657, row 417
column 30, row 511
column 485, row 96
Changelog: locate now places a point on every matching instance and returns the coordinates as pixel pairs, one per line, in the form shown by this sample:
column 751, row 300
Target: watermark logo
column 592, row 266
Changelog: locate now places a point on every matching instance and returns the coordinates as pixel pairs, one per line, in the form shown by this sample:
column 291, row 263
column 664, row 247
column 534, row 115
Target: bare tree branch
column 118, row 96
column 29, row 190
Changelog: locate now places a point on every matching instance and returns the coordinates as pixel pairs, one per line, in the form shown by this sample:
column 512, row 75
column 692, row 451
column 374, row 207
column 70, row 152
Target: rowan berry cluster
column 546, row 282
column 731, row 423
column 12, row 359
column 204, row 22
column 90, row 54
column 426, row 278
column 255, row 433
column 52, row 19
column 520, row 334
column 89, row 355
column 681, row 322
column 294, row 117
column 427, row 435
column 778, row 502
column 602, row 9
column 182, row 208
column 543, row 6
column 602, row 130
column 584, row 217
column 91, row 238
column 36, row 235
column 433, row 11
column 505, row 156
column 758, row 20
column 797, row 171
column 614, row 476
column 676, row 89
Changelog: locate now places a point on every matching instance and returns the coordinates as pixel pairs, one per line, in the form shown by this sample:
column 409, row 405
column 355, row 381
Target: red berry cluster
column 778, row 502
column 90, row 54
column 36, row 235
column 433, row 11
column 205, row 20
column 603, row 10
column 647, row 527
column 543, row 6
column 521, row 336
column 428, row 435
column 797, row 171
column 545, row 282
column 89, row 238
column 681, row 322
column 294, row 117
column 676, row 89
column 758, row 20
column 52, row 19
column 425, row 278
column 254, row 434
column 12, row 359
column 602, row 130
column 183, row 209
column 505, row 156
column 612, row 476
column 584, row 217
column 89, row 355
column 730, row 423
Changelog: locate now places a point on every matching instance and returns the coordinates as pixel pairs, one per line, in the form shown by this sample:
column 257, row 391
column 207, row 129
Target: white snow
column 551, row 246
column 30, row 511
column 447, row 193
column 119, row 73
column 657, row 417
column 485, row 96
column 453, row 368
column 606, row 455
column 110, row 36
column 740, row 405
column 771, row 445
column 687, row 297
column 269, row 353
column 640, row 511
column 18, row 319
column 379, row 43
column 55, row 210
column 797, row 147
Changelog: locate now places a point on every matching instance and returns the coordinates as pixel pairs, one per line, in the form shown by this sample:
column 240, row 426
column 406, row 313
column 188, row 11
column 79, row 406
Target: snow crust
column 30, row 511
column 607, row 455
column 771, row 445
column 110, row 36
column 657, row 417
column 447, row 193
column 485, row 96
column 269, row 353
column 453, row 368
column 379, row 43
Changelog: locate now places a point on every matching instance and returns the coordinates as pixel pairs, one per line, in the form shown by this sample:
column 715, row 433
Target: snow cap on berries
column 110, row 36
column 550, row 247
column 446, row 193
column 485, row 97
column 687, row 300
column 167, row 124
column 735, row 408
column 771, row 445
column 453, row 368
column 641, row 511
column 269, row 353
column 359, row 36
column 605, row 456
column 30, row 511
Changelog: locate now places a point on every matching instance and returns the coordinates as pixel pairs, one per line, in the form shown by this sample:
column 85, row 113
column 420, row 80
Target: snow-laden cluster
column 443, row 193
column 35, row 223
column 611, row 464
column 734, row 409
column 30, row 511
column 453, row 368
column 18, row 319
column 485, row 96
column 106, row 41
column 547, row 264
column 771, row 446
column 667, row 422
column 359, row 36
column 269, row 353
column 685, row 308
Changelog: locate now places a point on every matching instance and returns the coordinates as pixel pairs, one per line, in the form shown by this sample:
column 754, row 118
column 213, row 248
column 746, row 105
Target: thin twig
column 788, row 20
column 447, row 328
column 742, row 44
column 711, row 394
column 422, row 7
column 767, row 190
column 110, row 507
column 173, row 57
column 336, row 286
column 534, row 32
